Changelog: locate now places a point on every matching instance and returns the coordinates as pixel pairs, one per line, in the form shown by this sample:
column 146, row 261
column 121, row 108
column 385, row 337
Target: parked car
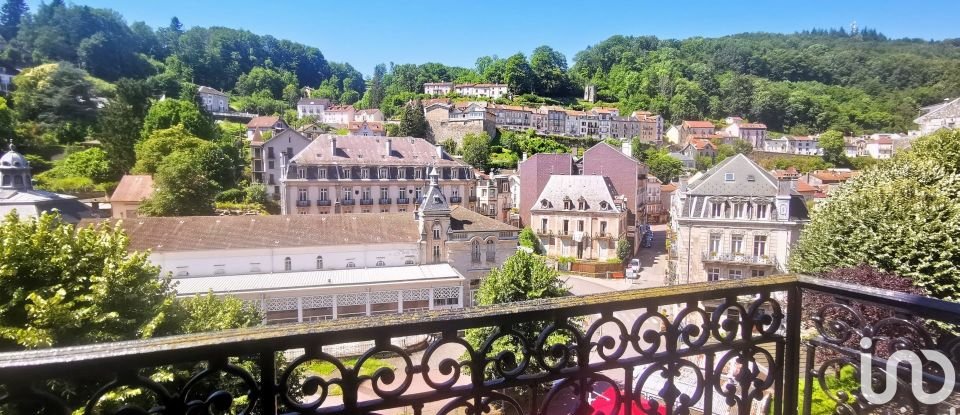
column 633, row 269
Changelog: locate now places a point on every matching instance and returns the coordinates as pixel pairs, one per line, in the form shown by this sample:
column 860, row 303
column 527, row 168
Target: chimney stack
column 387, row 146
column 333, row 145
column 439, row 151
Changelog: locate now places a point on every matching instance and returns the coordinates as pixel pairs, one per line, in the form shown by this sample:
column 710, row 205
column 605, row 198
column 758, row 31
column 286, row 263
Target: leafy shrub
column 231, row 195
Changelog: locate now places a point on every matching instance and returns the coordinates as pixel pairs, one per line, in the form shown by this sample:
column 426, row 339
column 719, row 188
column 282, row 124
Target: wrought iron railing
column 739, row 259
column 659, row 350
column 326, row 202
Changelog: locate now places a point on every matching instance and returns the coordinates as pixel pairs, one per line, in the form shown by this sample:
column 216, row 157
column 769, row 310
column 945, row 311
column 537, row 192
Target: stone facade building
column 269, row 157
column 494, row 197
column 628, row 177
column 449, row 121
column 945, row 115
column 212, row 100
column 265, row 124
column 734, row 221
column 357, row 174
column 579, row 217
column 534, row 174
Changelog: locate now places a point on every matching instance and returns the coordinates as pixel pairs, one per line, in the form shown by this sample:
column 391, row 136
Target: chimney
column 439, row 151
column 785, row 186
column 386, row 146
column 333, row 145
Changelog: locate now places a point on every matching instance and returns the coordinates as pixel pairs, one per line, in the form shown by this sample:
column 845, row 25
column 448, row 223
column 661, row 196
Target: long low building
column 368, row 263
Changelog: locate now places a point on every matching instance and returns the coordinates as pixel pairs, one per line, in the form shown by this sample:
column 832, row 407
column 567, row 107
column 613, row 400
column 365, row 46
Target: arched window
column 491, row 251
column 381, row 263
column 319, row 261
column 287, row 264
column 475, row 252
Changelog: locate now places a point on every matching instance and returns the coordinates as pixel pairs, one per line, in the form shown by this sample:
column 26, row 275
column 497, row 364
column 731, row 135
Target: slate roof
column 363, row 150
column 133, row 188
column 463, row 219
column 713, row 182
column 947, row 110
column 592, row 189
column 313, row 101
column 208, row 90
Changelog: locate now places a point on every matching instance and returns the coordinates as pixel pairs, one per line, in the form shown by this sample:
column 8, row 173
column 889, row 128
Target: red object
column 603, row 405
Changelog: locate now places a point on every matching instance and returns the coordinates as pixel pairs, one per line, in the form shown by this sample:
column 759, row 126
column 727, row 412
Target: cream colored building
column 734, row 221
column 357, row 174
column 306, row 268
column 129, row 194
column 579, row 216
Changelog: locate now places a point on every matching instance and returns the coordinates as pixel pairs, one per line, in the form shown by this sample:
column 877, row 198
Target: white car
column 633, row 269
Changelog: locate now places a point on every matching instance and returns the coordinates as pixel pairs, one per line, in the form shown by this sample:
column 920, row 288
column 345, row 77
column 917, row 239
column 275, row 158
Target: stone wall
column 442, row 130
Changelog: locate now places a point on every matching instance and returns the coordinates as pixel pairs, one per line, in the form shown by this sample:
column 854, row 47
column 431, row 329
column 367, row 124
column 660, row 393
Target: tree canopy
column 476, row 150
column 900, row 216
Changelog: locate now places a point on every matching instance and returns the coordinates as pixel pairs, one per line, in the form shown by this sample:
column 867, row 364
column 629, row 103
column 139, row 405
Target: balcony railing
column 403, row 201
column 472, row 198
column 660, row 349
column 739, row 259
column 324, row 202
column 348, row 202
column 366, row 201
column 455, row 199
column 385, row 201
column 303, row 203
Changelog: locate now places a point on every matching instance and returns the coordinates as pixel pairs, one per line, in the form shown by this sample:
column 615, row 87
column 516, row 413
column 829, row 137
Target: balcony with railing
column 348, row 202
column 455, row 199
column 303, row 203
column 385, row 201
column 740, row 259
column 366, row 202
column 403, row 201
column 651, row 351
column 326, row 202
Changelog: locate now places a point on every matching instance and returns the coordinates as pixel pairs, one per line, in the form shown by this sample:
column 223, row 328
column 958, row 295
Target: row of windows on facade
column 491, row 251
column 581, row 204
column 220, row 269
column 743, row 210
column 714, row 274
column 737, row 244
column 382, row 172
column 565, row 230
column 348, row 210
column 366, row 193
column 289, row 309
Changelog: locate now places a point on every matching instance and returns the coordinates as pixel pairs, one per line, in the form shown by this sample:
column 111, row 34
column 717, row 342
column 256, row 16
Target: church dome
column 13, row 160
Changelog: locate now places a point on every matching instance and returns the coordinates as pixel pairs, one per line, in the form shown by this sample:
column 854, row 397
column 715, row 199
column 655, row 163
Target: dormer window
column 728, row 177
column 751, row 178
column 603, row 205
column 581, row 204
column 383, row 173
column 544, row 203
column 567, row 204
column 417, row 174
column 364, row 173
column 301, row 173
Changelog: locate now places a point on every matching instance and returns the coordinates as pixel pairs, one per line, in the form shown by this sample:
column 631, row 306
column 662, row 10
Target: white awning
column 263, row 282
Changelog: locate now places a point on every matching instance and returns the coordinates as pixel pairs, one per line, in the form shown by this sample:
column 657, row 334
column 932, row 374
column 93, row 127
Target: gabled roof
column 700, row 143
column 359, row 150
column 263, row 121
column 596, row 191
column 208, row 90
column 358, row 125
column 748, row 179
column 133, row 188
column 463, row 219
column 313, row 101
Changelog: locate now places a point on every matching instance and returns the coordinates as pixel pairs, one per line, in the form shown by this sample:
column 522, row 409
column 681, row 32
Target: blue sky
column 365, row 33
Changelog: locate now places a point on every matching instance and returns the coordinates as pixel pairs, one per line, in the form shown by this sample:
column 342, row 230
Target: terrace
column 662, row 350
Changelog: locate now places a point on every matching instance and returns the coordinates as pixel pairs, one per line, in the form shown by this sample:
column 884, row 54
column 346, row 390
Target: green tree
column 66, row 286
column 10, row 15
column 449, row 145
column 518, row 75
column 624, row 249
column 217, row 160
column 120, row 123
column 271, row 80
column 475, row 150
column 171, row 112
column 413, row 123
column 7, row 120
column 58, row 96
column 529, row 239
column 206, row 313
column 549, row 68
column 523, row 276
column 912, row 197
column 93, row 164
column 182, row 188
column 742, row 147
column 833, row 145
column 663, row 166
column 639, row 149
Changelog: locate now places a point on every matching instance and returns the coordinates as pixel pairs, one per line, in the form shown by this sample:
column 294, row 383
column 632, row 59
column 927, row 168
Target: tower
column 14, row 171
column 434, row 221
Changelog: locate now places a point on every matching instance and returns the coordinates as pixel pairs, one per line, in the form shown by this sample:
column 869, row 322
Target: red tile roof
column 700, row 143
column 373, row 126
column 266, row 121
column 667, row 187
column 698, row 124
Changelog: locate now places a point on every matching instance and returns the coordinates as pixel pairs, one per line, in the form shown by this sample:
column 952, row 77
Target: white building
column 580, row 217
column 468, row 90
column 673, row 134
column 303, row 268
column 804, row 145
column 213, row 100
column 270, row 155
column 368, row 115
column 312, row 107
column 753, row 133
column 734, row 221
column 437, row 88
